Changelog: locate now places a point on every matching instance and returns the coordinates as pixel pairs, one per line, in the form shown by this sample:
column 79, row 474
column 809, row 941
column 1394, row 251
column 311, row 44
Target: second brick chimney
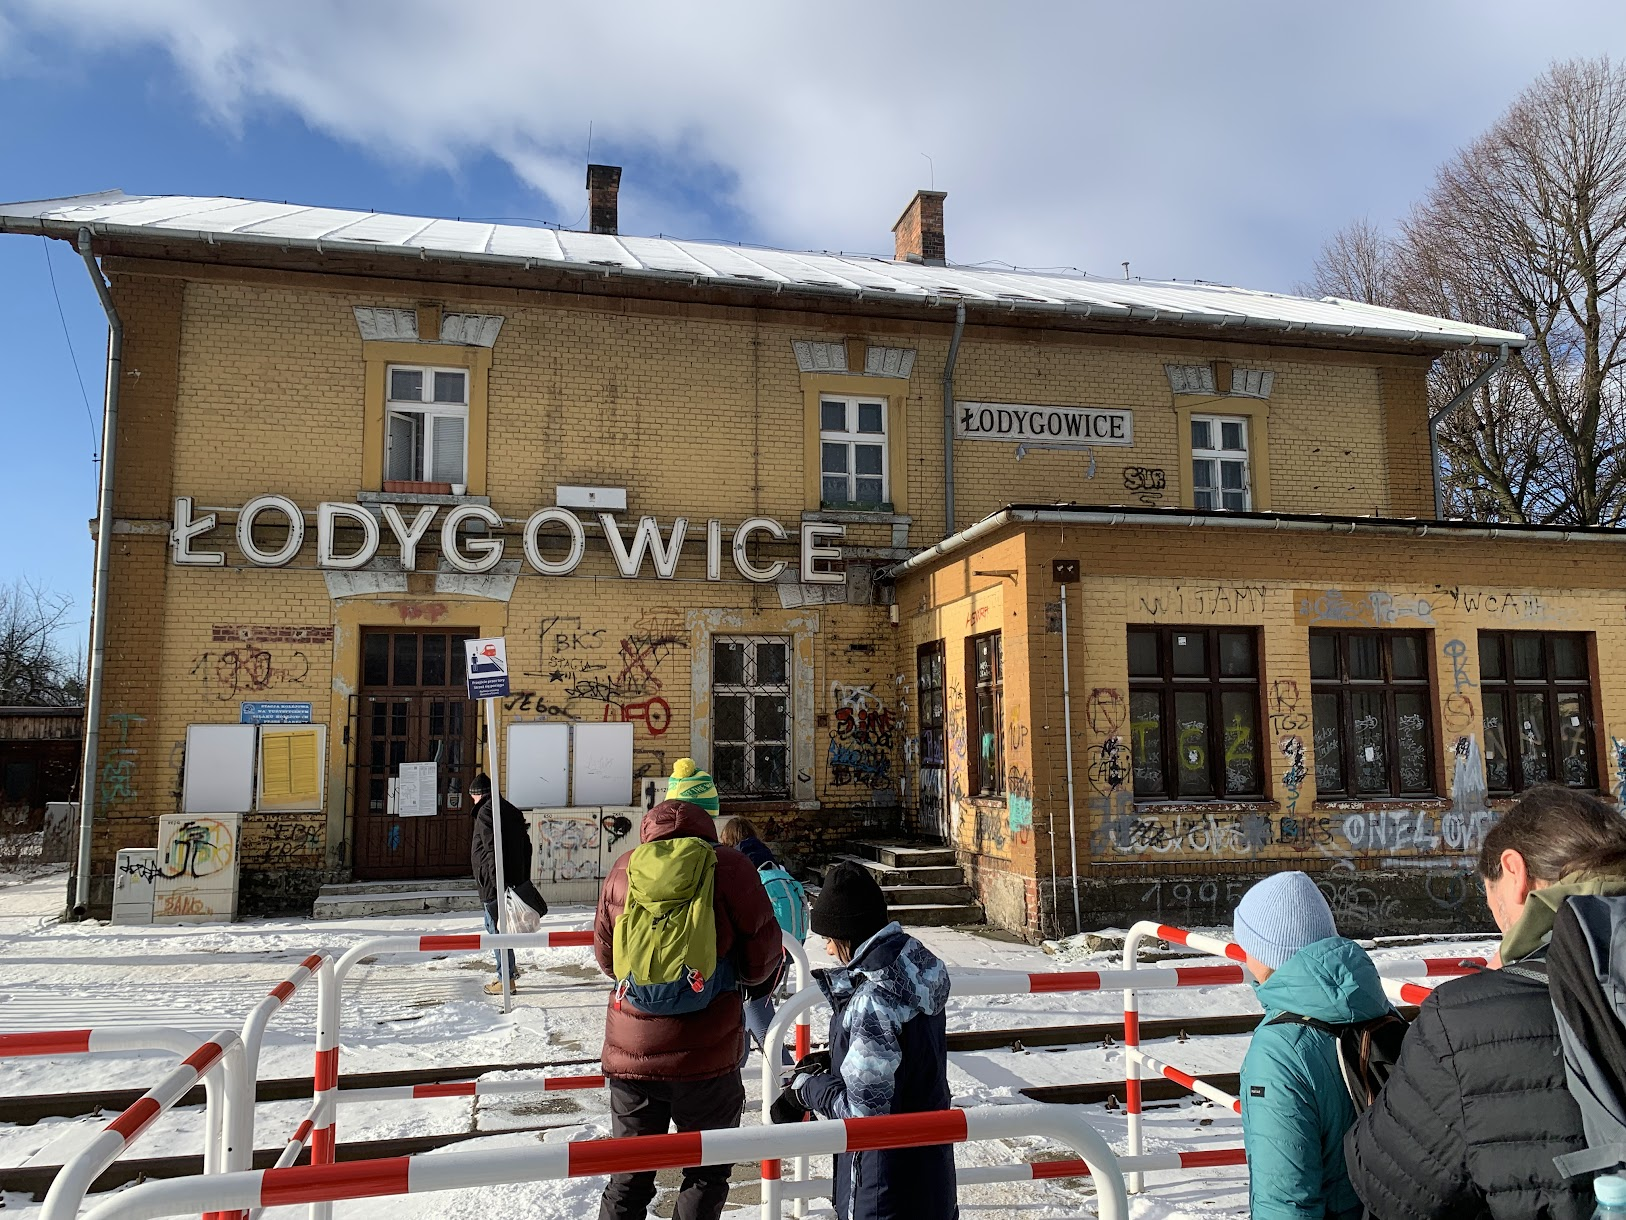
column 919, row 231
column 603, row 191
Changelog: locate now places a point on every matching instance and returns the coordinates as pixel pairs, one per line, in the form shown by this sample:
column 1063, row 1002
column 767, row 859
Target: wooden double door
column 412, row 707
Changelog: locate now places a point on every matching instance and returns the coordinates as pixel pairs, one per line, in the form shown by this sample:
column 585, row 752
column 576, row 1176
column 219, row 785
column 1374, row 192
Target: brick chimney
column 919, row 231
column 603, row 189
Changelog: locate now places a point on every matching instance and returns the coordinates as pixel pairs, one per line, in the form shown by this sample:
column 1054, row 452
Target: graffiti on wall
column 1293, row 777
column 1376, row 608
column 1202, row 601
column 1249, row 833
column 1147, row 483
column 197, row 848
column 589, row 675
column 1019, row 803
column 1457, row 653
column 250, row 668
column 285, row 841
column 861, row 746
column 568, row 848
column 119, row 770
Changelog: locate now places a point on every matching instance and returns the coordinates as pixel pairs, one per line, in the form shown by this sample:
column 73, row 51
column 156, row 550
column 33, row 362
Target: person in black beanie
column 888, row 1051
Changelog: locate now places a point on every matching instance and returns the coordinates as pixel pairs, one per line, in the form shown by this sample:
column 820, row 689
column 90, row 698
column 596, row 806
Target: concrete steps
column 924, row 887
column 363, row 898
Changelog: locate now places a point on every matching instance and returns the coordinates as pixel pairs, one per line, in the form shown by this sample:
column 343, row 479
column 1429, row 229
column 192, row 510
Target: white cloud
column 1196, row 140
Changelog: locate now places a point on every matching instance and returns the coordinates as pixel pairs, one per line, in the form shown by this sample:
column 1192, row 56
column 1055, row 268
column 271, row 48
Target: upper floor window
column 427, row 414
column 750, row 692
column 1194, row 713
column 1537, row 695
column 1219, row 462
column 986, row 711
column 852, row 453
column 1369, row 701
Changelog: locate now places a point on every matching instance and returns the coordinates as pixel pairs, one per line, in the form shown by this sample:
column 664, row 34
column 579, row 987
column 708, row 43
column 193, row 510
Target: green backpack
column 665, row 946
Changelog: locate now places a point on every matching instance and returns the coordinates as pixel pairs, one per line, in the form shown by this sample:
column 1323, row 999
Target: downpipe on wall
column 948, row 420
column 1067, row 730
column 98, row 596
column 1438, row 417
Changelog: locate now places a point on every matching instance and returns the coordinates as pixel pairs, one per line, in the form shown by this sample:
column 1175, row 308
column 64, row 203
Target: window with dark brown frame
column 1194, row 713
column 1369, row 701
column 1536, row 691
column 751, row 720
column 985, row 711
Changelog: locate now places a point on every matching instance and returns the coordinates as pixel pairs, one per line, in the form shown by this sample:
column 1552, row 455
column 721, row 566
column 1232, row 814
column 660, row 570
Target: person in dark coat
column 1477, row 1106
column 516, row 865
column 888, row 1051
column 683, row 1070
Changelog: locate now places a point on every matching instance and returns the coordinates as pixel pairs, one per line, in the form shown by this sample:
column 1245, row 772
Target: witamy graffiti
column 1192, row 600
column 1505, row 603
column 118, row 771
column 247, row 668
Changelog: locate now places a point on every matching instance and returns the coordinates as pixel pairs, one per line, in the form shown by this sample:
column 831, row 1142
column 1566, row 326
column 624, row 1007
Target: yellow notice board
column 293, row 761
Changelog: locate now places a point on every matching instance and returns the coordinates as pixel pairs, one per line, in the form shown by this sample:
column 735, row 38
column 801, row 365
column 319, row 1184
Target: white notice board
column 220, row 768
column 601, row 770
column 538, row 765
column 415, row 790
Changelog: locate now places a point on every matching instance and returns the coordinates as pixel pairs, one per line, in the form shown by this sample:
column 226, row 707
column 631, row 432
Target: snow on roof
column 700, row 263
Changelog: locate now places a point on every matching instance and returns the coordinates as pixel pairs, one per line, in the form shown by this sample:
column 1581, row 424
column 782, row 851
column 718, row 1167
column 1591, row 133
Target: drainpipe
column 1438, row 418
column 98, row 596
column 948, row 421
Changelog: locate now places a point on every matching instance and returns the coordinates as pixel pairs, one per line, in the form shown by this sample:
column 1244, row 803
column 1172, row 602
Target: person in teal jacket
column 1295, row 1106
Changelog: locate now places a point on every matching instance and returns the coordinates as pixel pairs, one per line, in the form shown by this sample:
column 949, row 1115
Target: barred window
column 750, row 697
column 985, row 661
column 1194, row 713
column 1370, row 700
column 1537, row 693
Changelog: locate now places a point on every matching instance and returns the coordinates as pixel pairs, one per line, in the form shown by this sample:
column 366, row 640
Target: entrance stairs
column 923, row 884
column 362, row 898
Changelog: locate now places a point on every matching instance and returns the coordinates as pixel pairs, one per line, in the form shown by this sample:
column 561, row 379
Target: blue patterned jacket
column 888, row 1055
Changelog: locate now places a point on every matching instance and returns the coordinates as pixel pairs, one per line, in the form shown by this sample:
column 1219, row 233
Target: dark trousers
column 648, row 1107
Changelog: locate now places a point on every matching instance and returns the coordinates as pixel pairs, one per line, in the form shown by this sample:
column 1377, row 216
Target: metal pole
column 1067, row 731
column 98, row 594
column 504, row 976
column 948, row 420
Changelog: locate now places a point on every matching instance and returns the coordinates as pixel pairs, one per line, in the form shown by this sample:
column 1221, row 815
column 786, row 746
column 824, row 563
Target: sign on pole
column 487, row 668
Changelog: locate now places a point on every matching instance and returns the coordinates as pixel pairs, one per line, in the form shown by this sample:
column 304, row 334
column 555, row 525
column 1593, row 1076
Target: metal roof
column 716, row 264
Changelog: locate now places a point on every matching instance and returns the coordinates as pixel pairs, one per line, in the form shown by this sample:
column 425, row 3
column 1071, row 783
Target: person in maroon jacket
column 683, row 1071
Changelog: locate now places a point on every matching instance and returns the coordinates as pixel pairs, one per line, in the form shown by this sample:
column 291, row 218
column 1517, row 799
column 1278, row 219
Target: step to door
column 906, row 855
column 888, row 875
column 360, row 900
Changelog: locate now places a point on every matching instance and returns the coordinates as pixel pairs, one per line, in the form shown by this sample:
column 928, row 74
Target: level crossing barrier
column 222, row 1053
column 233, row 1082
column 323, row 1184
column 1393, row 973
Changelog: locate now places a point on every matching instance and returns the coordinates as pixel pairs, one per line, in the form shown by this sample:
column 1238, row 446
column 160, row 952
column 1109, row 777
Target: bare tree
column 1525, row 229
column 35, row 670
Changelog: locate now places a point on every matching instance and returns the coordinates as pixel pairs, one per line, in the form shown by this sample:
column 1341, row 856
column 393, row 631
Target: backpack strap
column 1293, row 1018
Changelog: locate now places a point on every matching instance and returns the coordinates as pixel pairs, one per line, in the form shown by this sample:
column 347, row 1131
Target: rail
column 315, row 1184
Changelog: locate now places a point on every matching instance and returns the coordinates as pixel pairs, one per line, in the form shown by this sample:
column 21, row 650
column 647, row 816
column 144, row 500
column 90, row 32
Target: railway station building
column 1126, row 592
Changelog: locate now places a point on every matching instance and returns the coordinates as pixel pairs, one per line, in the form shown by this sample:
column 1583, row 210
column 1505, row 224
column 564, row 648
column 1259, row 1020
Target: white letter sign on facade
column 481, row 550
column 1006, row 421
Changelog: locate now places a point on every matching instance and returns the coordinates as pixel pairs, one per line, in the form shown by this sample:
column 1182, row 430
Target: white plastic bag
column 521, row 918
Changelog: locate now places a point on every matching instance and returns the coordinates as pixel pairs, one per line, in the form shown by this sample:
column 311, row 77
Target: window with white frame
column 427, row 416
column 852, row 453
column 1219, row 462
column 750, row 702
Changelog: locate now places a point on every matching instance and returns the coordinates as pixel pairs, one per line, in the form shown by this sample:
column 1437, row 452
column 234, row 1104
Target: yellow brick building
column 808, row 519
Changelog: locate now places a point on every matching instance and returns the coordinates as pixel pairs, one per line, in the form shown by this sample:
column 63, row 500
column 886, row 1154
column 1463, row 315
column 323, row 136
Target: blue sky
column 1219, row 142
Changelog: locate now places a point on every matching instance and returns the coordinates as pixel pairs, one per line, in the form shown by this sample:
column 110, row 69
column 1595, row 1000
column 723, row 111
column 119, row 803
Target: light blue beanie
column 1280, row 916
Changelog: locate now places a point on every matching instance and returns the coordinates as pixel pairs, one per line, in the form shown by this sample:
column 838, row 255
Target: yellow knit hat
column 689, row 783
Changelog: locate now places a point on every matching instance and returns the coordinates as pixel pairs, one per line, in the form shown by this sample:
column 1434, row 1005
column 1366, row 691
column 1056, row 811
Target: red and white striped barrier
column 135, row 1038
column 472, row 1088
column 1049, row 1171
column 253, row 1034
column 223, row 1052
column 458, row 1170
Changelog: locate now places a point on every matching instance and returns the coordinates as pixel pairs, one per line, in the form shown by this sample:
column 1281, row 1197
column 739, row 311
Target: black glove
column 788, row 1107
column 812, row 1063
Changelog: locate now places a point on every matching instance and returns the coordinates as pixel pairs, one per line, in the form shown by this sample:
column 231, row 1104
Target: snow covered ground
column 405, row 1012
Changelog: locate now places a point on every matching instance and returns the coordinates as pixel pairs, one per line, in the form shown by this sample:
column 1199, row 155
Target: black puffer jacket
column 1476, row 1110
column 516, row 849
